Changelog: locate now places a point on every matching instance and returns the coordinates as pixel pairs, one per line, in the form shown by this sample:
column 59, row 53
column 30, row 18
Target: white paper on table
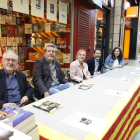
column 87, row 123
column 138, row 73
column 137, row 68
column 129, row 79
column 117, row 93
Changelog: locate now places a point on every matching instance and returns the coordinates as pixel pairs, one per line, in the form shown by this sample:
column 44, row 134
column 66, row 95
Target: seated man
column 14, row 87
column 47, row 74
column 95, row 63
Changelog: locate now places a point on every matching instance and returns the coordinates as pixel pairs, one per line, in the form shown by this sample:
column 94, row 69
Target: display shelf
column 46, row 34
column 29, row 61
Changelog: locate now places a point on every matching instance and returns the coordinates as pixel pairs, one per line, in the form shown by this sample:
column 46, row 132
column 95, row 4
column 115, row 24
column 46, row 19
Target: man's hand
column 46, row 94
column 6, row 104
column 24, row 100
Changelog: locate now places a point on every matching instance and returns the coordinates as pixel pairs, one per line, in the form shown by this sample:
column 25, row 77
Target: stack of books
column 9, row 133
column 22, row 120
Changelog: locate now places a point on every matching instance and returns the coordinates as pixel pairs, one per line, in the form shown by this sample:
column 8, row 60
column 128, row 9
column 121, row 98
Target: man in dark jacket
column 95, row 63
column 14, row 87
column 48, row 77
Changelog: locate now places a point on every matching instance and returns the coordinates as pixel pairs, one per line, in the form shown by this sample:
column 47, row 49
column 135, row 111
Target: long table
column 123, row 113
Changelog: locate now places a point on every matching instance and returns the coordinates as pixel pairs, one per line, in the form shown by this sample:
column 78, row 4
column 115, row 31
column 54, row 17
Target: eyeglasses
column 8, row 60
column 51, row 51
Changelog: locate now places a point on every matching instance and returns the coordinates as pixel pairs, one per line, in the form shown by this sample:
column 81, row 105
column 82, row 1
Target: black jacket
column 24, row 86
column 91, row 65
column 43, row 78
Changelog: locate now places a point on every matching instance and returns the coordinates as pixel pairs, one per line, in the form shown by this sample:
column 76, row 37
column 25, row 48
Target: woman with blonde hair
column 79, row 69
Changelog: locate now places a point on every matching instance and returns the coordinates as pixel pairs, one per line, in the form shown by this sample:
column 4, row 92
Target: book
column 29, row 42
column 13, row 20
column 66, row 58
column 15, row 49
column 19, row 41
column 23, row 41
column 38, row 42
column 3, row 42
column 36, row 55
column 2, row 19
column 32, row 42
column 41, row 28
column 47, row 106
column 3, row 11
column 49, row 27
column 57, row 27
column 10, row 31
column 8, row 19
column 19, row 116
column 9, row 41
column 31, row 56
column 9, row 133
column 10, row 7
column 62, row 28
column 3, row 49
column 18, row 21
column 28, row 28
column 21, row 31
column 15, row 28
column 9, row 48
column 68, row 27
column 3, row 30
column 14, row 42
column 35, row 28
column 62, row 42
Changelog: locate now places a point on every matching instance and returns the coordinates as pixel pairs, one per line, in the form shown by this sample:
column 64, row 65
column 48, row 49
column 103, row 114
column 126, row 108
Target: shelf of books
column 28, row 35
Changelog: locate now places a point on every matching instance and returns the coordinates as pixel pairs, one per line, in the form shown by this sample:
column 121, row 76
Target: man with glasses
column 48, row 77
column 14, row 87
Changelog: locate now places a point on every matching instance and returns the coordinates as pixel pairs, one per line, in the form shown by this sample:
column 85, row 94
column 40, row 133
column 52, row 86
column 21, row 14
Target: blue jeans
column 106, row 70
column 57, row 88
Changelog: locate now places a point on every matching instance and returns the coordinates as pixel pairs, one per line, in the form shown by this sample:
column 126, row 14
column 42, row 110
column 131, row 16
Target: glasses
column 51, row 51
column 8, row 60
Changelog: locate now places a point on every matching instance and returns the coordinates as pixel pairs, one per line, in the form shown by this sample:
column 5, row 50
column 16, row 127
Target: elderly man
column 14, row 87
column 47, row 74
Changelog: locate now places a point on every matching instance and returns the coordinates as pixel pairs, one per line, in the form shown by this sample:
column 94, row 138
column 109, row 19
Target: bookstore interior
column 27, row 26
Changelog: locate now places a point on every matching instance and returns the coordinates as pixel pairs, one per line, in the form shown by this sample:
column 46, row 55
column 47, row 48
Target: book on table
column 20, row 117
column 9, row 133
column 48, row 106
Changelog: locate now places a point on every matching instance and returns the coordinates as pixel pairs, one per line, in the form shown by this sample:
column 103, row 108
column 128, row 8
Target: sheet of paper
column 138, row 73
column 117, row 93
column 87, row 123
column 37, row 8
column 62, row 12
column 137, row 68
column 3, row 4
column 52, row 10
column 21, row 6
column 130, row 79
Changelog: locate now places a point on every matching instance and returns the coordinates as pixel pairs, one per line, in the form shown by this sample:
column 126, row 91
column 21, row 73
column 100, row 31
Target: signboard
column 98, row 2
column 99, row 15
column 132, row 12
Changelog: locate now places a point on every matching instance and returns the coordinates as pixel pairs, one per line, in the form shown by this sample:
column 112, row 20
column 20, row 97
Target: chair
column 34, row 99
column 33, row 84
column 67, row 74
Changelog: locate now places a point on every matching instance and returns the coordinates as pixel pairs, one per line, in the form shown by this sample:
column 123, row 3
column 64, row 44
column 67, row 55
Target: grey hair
column 51, row 45
column 11, row 52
